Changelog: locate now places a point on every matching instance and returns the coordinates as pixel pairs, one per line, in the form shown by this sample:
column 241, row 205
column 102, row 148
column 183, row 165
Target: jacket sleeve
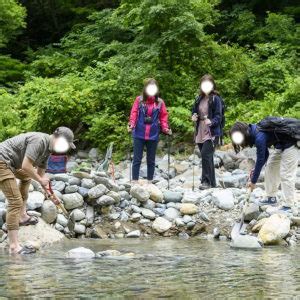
column 194, row 108
column 134, row 113
column 217, row 116
column 262, row 154
column 163, row 117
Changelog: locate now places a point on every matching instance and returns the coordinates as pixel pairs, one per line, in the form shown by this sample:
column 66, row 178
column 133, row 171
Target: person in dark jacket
column 207, row 115
column 281, row 165
column 148, row 118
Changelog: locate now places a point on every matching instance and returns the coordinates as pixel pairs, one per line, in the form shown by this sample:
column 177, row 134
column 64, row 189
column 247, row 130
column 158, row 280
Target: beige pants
column 282, row 168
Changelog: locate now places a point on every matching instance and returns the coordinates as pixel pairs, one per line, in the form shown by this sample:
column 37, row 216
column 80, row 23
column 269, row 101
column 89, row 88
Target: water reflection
column 162, row 268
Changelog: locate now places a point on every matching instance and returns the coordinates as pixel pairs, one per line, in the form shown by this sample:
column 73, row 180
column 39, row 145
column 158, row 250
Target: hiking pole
column 169, row 154
column 193, row 188
column 129, row 157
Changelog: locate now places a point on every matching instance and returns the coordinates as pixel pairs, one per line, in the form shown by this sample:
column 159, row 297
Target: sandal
column 30, row 221
column 26, row 250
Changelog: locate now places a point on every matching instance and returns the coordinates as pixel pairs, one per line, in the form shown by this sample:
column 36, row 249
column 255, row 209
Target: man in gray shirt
column 25, row 157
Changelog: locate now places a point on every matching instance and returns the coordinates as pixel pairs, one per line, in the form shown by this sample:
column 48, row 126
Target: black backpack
column 286, row 129
column 222, row 125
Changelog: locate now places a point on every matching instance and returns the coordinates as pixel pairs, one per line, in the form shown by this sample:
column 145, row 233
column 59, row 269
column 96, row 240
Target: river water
column 162, row 268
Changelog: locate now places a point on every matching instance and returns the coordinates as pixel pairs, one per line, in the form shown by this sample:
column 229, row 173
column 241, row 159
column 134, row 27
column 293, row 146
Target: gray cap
column 66, row 133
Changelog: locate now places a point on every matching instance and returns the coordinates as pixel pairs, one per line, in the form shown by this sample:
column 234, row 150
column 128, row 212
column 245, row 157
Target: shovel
column 51, row 196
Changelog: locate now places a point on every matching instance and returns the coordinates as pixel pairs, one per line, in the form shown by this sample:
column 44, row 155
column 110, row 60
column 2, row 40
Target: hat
column 66, row 133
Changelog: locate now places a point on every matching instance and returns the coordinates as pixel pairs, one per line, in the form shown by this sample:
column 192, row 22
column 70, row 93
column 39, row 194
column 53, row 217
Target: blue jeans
column 138, row 148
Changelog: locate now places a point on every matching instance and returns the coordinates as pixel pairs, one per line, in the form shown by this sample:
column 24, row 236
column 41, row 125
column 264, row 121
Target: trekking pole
column 193, row 188
column 129, row 157
column 169, row 154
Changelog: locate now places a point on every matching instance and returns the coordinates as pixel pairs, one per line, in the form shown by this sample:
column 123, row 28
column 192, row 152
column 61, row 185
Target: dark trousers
column 208, row 169
column 138, row 148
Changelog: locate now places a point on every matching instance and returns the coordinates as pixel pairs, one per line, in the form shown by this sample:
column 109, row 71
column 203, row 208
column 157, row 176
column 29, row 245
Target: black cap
column 66, row 133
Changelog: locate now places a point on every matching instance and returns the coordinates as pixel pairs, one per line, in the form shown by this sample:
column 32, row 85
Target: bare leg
column 14, row 245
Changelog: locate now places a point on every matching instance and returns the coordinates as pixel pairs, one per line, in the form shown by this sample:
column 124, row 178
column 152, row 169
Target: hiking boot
column 204, row 186
column 269, row 201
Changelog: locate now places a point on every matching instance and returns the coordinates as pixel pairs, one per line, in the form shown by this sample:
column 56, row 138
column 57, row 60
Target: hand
column 129, row 128
column 207, row 122
column 169, row 131
column 194, row 117
column 251, row 186
column 44, row 181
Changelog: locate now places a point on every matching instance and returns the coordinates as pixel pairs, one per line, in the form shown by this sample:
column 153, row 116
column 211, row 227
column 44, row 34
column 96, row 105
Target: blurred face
column 151, row 89
column 60, row 145
column 206, row 87
column 237, row 138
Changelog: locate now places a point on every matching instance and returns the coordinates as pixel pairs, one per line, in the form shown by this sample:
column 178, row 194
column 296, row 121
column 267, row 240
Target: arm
column 28, row 167
column 163, row 118
column 216, row 119
column 41, row 171
column 134, row 113
column 262, row 154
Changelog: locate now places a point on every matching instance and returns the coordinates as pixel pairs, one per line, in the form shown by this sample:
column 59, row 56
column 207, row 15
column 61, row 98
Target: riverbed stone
column 78, row 214
column 89, row 215
column 135, row 217
column 188, row 209
column 72, row 201
column 49, row 211
column 87, row 183
column 155, row 193
column 58, row 185
column 245, row 242
column 171, row 196
column 35, row 200
column 80, row 253
column 62, row 220
column 71, row 189
column 116, row 196
column 140, row 193
column 97, row 191
column 171, row 214
column 71, row 165
column 147, row 213
column 83, row 192
column 223, row 199
column 179, row 222
column 134, row 234
column 79, row 228
column 105, row 200
column 252, row 212
column 161, row 225
column 74, row 181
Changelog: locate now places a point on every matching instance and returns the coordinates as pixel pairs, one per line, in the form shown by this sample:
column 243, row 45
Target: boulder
column 257, row 227
column 140, row 193
column 35, row 200
column 171, row 213
column 49, row 211
column 245, row 242
column 170, row 196
column 155, row 193
column 252, row 212
column 161, row 225
column 105, row 200
column 80, row 253
column 97, row 191
column 274, row 229
column 223, row 199
column 72, row 201
column 188, row 209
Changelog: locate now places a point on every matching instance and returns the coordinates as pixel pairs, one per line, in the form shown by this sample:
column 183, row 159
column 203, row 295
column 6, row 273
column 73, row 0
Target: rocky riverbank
column 104, row 207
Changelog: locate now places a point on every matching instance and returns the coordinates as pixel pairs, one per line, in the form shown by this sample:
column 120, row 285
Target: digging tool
column 51, row 196
column 169, row 155
column 129, row 157
column 193, row 188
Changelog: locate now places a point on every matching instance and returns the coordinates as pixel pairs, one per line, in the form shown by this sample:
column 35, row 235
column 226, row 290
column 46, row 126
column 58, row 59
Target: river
column 162, row 268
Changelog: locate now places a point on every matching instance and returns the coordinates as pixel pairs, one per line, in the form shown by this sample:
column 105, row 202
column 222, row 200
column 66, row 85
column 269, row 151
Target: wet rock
column 252, row 212
column 170, row 196
column 35, row 200
column 171, row 214
column 71, row 189
column 295, row 221
column 49, row 211
column 105, row 200
column 134, row 234
column 79, row 228
column 188, row 209
column 190, row 225
column 274, row 229
column 223, row 199
column 183, row 235
column 161, row 225
column 108, row 253
column 147, row 213
column 155, row 193
column 198, row 229
column 245, row 242
column 78, row 214
column 140, row 193
column 97, row 191
column 80, row 253
column 87, row 183
column 72, row 201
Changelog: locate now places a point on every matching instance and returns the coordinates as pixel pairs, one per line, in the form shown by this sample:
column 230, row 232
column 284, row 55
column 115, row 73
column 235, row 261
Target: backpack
column 222, row 124
column 159, row 101
column 287, row 129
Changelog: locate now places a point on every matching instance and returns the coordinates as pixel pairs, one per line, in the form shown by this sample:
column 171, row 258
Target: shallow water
column 163, row 268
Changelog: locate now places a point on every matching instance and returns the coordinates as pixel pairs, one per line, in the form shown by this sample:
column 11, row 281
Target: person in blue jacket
column 281, row 164
column 207, row 115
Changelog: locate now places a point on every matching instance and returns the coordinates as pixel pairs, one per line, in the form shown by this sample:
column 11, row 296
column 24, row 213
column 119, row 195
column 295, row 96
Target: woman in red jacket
column 148, row 117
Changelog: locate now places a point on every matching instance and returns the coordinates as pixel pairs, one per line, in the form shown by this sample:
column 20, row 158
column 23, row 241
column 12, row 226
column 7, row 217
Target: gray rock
column 116, row 196
column 2, row 197
column 216, row 233
column 144, row 221
column 35, row 200
column 204, row 216
column 245, row 242
column 147, row 213
column 89, row 215
column 34, row 213
column 87, row 183
column 83, row 192
column 93, row 154
column 190, row 225
column 149, row 204
column 136, row 209
column 61, row 220
column 161, row 225
column 2, row 213
column 171, row 213
column 49, row 211
column 107, row 182
column 170, row 196
column 183, row 235
column 114, row 216
column 179, row 222
column 82, row 154
column 238, row 180
column 187, row 219
column 223, row 199
column 58, row 185
column 59, row 227
column 62, row 177
column 78, row 214
column 124, row 195
column 124, row 216
column 97, row 191
column 72, row 201
column 71, row 165
column 79, row 228
column 81, row 253
column 159, row 211
column 71, row 189
column 74, row 181
column 135, row 217
column 252, row 212
column 140, row 193
column 105, row 200
column 134, row 234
